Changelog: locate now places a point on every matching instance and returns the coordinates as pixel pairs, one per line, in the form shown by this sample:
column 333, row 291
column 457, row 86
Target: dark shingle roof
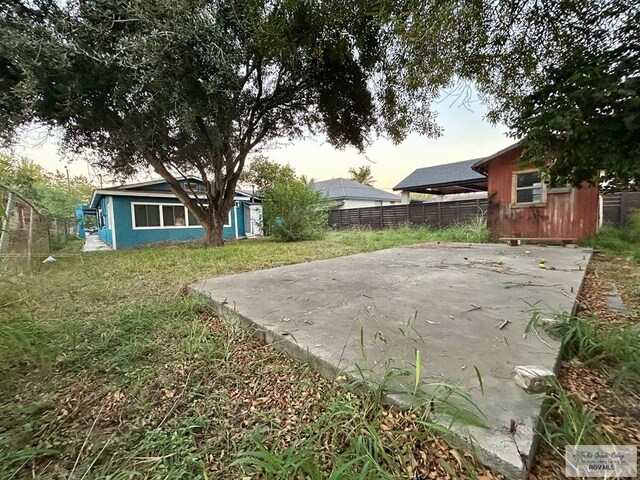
column 342, row 188
column 441, row 175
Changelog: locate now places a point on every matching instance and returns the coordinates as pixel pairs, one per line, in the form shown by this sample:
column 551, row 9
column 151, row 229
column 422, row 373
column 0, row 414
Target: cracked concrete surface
column 447, row 301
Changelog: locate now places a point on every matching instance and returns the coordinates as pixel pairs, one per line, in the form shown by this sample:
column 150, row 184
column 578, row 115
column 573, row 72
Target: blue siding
column 80, row 221
column 104, row 232
column 240, row 215
column 127, row 236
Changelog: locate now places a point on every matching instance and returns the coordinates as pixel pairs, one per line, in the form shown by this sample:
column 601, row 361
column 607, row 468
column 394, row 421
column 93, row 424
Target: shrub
column 293, row 212
column 623, row 240
column 64, row 242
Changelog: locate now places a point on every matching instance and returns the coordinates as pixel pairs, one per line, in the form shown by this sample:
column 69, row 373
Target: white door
column 255, row 219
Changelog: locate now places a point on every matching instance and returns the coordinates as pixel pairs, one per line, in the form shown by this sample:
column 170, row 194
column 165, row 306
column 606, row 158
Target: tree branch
column 179, row 192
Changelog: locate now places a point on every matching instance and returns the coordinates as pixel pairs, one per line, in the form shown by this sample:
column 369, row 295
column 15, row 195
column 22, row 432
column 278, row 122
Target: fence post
column 4, row 235
column 623, row 209
column 409, row 215
column 30, row 238
column 439, row 214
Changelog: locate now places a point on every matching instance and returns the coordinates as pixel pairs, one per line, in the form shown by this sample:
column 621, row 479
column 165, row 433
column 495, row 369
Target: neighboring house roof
column 481, row 165
column 345, row 189
column 135, row 190
column 457, row 177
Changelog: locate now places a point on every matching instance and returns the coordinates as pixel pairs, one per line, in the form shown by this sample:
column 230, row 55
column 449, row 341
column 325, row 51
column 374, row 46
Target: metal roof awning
column 445, row 179
column 451, row 188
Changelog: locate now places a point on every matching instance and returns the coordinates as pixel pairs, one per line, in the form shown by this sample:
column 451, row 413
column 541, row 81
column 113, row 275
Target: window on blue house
column 147, row 215
column 153, row 215
column 173, row 216
column 193, row 221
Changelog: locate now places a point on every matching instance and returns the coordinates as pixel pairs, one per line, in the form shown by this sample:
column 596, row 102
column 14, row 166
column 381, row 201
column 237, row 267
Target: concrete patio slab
column 375, row 310
column 92, row 243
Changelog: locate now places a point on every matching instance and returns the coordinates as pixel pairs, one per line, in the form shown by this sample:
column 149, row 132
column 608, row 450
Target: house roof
column 345, row 189
column 481, row 165
column 457, row 177
column 130, row 190
column 158, row 181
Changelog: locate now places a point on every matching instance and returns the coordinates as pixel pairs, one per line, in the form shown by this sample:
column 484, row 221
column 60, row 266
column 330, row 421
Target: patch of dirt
column 619, row 414
column 605, row 274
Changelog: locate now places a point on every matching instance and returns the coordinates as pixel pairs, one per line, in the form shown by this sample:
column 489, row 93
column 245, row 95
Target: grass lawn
column 108, row 370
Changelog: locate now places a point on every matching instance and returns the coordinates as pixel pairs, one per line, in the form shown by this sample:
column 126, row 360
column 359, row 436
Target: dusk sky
column 466, row 135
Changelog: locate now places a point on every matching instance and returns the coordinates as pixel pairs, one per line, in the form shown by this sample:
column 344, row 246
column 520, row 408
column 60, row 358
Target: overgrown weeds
column 623, row 240
column 108, row 371
column 568, row 422
column 475, row 231
column 358, row 437
column 614, row 348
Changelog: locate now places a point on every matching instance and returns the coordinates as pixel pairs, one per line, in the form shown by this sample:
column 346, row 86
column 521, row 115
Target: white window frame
column 514, row 191
column 162, row 225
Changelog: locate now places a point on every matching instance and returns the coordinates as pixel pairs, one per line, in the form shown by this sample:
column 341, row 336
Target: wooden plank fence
column 432, row 214
column 616, row 207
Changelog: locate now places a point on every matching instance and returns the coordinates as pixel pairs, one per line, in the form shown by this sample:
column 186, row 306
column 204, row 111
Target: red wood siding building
column 521, row 206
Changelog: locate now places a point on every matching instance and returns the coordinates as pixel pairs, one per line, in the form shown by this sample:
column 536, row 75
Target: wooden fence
column 617, row 206
column 616, row 209
column 433, row 214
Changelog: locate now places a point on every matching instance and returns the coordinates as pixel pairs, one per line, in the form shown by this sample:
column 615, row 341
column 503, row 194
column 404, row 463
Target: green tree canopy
column 294, row 212
column 193, row 87
column 562, row 75
column 586, row 120
column 50, row 193
column 262, row 173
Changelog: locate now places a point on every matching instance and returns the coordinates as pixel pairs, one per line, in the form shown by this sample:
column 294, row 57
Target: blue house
column 144, row 213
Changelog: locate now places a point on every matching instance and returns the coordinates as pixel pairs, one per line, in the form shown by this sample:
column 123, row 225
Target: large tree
column 193, row 86
column 584, row 123
column 562, row 74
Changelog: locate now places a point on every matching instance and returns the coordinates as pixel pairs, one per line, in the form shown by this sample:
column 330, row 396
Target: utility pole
column 66, row 226
column 100, row 177
column 68, row 180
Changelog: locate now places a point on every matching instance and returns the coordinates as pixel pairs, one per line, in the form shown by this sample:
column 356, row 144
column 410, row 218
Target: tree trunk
column 213, row 232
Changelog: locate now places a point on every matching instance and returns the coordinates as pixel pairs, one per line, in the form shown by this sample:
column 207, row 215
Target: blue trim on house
column 104, row 221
